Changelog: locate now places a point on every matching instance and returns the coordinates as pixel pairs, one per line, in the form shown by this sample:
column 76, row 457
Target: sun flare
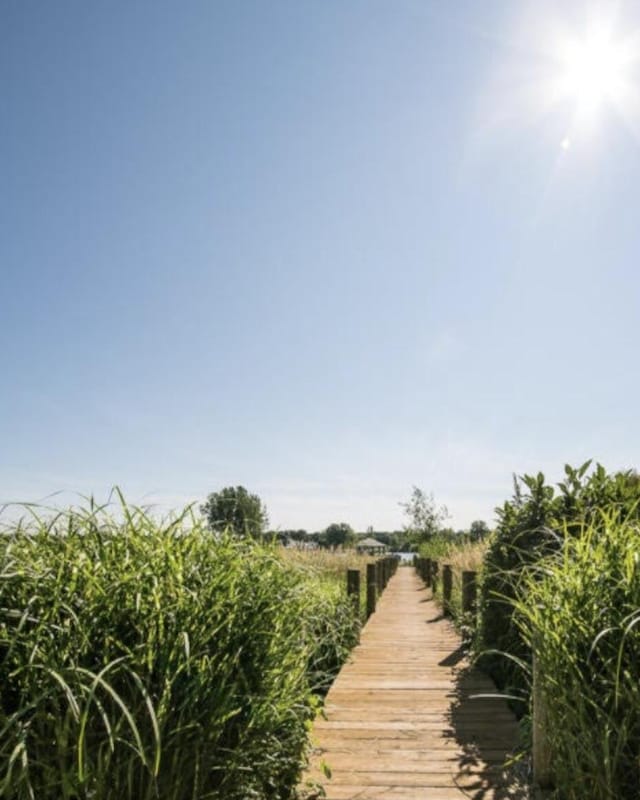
column 577, row 76
column 593, row 72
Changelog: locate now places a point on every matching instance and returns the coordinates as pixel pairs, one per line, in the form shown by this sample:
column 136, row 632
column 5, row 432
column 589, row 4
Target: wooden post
column 434, row 576
column 353, row 588
column 371, row 589
column 447, row 583
column 468, row 591
column 379, row 577
column 542, row 775
column 427, row 572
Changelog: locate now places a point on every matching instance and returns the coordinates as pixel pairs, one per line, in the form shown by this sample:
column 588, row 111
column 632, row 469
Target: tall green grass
column 148, row 660
column 462, row 555
column 579, row 612
column 327, row 569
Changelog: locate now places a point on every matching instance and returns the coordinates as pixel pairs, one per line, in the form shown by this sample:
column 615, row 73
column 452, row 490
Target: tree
column 235, row 509
column 425, row 517
column 478, row 530
column 339, row 534
column 297, row 535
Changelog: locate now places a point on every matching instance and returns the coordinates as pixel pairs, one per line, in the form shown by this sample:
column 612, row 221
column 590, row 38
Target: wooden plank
column 448, row 777
column 392, row 760
column 390, row 792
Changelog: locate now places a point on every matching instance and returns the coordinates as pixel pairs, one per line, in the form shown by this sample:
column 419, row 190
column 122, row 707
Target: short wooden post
column 353, row 588
column 427, row 572
column 372, row 587
column 379, row 577
column 542, row 775
column 447, row 585
column 468, row 591
column 435, row 568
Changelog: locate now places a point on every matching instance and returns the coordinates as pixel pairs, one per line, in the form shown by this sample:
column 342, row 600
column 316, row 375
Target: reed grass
column 328, row 568
column 579, row 611
column 146, row 659
column 328, row 562
column 462, row 556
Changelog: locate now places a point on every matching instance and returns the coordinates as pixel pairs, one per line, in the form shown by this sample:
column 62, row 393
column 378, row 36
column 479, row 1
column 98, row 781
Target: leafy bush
column 580, row 613
column 143, row 660
column 533, row 525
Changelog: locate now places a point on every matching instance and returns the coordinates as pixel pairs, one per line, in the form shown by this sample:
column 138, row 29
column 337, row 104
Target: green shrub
column 143, row 660
column 580, row 613
column 531, row 526
column 521, row 538
column 437, row 547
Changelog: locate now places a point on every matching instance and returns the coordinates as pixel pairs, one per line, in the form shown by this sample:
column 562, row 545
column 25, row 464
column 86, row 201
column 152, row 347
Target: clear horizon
column 326, row 251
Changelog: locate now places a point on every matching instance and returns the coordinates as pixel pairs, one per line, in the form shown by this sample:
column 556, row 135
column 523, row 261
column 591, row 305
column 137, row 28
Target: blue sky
column 327, row 250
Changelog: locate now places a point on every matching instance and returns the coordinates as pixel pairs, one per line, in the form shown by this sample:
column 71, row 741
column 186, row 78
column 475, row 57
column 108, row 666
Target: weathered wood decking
column 401, row 720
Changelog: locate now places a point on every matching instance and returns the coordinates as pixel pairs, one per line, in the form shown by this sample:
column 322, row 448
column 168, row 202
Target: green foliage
column 479, row 530
column 522, row 538
column 233, row 508
column 332, row 630
column 156, row 661
column 462, row 555
column 425, row 517
column 439, row 546
column 339, row 534
column 579, row 611
column 533, row 525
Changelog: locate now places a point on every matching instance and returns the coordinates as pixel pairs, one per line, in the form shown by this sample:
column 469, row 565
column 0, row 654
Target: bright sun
column 594, row 72
column 578, row 76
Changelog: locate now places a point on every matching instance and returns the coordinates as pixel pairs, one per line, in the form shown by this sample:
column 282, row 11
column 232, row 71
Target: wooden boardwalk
column 401, row 722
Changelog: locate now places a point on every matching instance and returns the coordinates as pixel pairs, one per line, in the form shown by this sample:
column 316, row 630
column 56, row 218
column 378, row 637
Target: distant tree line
column 237, row 510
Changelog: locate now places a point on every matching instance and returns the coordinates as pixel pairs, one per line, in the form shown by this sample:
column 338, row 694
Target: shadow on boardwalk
column 486, row 757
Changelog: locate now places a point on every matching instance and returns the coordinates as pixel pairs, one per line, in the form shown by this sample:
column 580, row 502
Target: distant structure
column 293, row 545
column 371, row 546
